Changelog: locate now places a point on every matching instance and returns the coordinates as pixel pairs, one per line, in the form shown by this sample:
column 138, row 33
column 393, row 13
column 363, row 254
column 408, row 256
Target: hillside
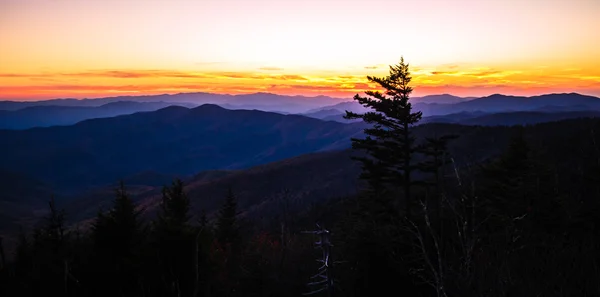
column 172, row 141
column 56, row 115
column 23, row 201
column 314, row 177
column 508, row 118
column 318, row 177
column 310, row 178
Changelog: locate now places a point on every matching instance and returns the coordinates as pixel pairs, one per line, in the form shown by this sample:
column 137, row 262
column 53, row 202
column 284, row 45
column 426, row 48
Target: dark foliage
column 390, row 142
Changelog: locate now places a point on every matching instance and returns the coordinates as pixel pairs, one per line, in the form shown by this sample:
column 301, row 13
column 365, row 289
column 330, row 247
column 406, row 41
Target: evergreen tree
column 228, row 238
column 520, row 189
column 389, row 144
column 435, row 150
column 117, row 237
column 176, row 240
column 175, row 207
column 48, row 254
column 227, row 224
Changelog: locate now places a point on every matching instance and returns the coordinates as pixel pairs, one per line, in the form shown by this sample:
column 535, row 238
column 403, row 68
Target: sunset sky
column 100, row 48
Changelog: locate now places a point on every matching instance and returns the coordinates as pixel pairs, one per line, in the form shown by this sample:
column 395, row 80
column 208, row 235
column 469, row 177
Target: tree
column 229, row 241
column 435, row 150
column 175, row 240
column 175, row 206
column 227, row 225
column 117, row 237
column 45, row 258
column 389, row 142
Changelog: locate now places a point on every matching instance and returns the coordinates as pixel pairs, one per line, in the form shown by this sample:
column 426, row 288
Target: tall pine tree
column 228, row 236
column 227, row 224
column 175, row 240
column 389, row 144
column 118, row 238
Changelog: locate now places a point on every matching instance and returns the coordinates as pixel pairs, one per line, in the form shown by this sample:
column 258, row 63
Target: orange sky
column 98, row 48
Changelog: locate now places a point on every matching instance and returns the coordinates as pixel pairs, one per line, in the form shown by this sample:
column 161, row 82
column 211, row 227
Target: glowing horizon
column 90, row 49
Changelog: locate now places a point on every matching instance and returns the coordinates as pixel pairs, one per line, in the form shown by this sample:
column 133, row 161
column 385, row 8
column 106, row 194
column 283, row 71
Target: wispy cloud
column 270, row 68
column 372, row 67
column 443, row 72
column 459, row 80
column 136, row 74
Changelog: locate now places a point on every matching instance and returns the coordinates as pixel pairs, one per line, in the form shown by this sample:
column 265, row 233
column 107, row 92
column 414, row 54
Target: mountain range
column 447, row 108
column 172, row 140
column 260, row 154
column 55, row 115
column 24, row 115
column 262, row 101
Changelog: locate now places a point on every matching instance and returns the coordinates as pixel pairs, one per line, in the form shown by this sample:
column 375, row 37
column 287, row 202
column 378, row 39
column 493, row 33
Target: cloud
column 109, row 73
column 467, row 81
column 374, row 66
column 475, row 73
column 291, row 77
column 270, row 68
column 442, row 72
column 133, row 74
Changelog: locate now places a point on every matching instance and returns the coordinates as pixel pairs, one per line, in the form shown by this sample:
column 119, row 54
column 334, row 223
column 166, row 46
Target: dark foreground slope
column 314, row 178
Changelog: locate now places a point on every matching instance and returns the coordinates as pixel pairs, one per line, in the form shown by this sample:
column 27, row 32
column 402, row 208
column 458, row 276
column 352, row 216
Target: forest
column 520, row 223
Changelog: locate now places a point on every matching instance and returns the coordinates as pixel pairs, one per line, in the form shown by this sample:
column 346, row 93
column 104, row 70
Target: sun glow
column 100, row 48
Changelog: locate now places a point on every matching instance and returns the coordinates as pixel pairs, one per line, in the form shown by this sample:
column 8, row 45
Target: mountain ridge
column 171, row 140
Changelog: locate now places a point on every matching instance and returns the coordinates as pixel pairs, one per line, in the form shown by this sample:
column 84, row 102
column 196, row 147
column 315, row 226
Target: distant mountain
column 502, row 103
column 431, row 106
column 173, row 141
column 260, row 101
column 441, row 99
column 53, row 115
column 323, row 113
column 342, row 107
column 508, row 118
column 527, row 118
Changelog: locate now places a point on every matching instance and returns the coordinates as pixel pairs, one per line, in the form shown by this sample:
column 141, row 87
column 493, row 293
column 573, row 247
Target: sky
column 100, row 48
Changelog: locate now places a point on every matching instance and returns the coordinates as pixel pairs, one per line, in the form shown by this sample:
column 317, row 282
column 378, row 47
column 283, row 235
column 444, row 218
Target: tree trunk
column 2, row 257
column 407, row 171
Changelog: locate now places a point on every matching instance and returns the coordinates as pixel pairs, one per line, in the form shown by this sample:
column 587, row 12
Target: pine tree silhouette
column 175, row 240
column 227, row 224
column 389, row 142
column 118, row 238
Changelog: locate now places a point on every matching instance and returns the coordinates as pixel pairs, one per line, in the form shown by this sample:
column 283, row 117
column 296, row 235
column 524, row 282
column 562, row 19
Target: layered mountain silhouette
column 262, row 101
column 55, row 115
column 172, row 140
column 504, row 103
column 313, row 178
column 459, row 108
column 23, row 115
column 259, row 153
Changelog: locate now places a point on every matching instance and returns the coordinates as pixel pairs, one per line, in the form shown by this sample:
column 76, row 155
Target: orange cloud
column 455, row 79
